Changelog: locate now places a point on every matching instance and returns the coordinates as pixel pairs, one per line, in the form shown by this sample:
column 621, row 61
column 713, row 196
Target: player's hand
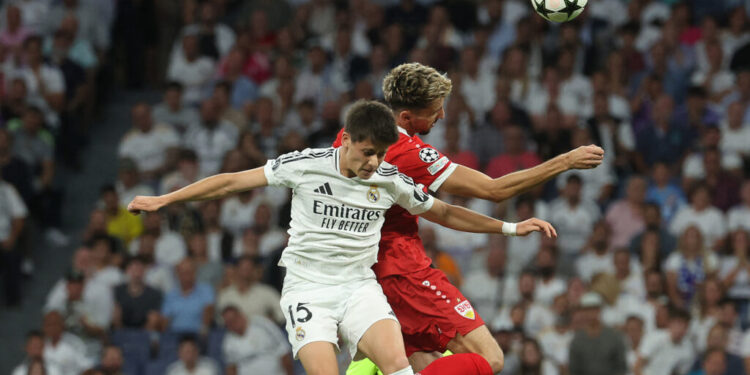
column 585, row 157
column 143, row 203
column 535, row 225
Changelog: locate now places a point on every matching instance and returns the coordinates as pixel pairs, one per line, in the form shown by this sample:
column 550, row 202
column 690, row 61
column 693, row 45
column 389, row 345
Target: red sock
column 459, row 364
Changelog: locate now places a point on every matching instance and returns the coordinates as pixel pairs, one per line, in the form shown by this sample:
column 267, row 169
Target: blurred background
column 102, row 100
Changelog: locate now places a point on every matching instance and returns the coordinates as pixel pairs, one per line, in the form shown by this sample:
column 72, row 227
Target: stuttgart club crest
column 428, row 155
column 373, row 194
column 464, row 309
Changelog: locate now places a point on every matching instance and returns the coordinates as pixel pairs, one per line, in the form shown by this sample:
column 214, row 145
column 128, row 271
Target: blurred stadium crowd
column 650, row 274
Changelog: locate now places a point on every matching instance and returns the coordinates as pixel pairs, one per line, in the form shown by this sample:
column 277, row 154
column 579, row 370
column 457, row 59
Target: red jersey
column 401, row 249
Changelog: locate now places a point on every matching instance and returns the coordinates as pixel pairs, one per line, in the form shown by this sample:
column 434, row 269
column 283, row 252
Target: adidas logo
column 324, row 189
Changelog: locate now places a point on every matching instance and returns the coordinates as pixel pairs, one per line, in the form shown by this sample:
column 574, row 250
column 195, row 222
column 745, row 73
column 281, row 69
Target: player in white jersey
column 338, row 206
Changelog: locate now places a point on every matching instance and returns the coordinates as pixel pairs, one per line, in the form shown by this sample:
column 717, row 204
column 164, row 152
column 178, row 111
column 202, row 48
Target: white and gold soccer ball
column 558, row 10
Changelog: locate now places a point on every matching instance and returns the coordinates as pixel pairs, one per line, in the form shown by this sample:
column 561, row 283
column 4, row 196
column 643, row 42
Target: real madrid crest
column 300, row 334
column 373, row 194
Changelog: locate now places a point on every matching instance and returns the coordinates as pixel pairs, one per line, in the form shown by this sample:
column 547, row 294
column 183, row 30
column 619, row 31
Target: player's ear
column 403, row 116
column 345, row 139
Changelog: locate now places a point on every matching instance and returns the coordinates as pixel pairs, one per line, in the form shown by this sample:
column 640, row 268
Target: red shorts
column 430, row 309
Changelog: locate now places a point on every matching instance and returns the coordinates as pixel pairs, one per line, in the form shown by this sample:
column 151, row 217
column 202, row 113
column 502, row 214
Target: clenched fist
column 585, row 157
column 143, row 203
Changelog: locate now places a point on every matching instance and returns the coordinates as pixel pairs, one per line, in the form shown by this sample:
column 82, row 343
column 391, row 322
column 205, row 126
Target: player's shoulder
column 308, row 154
column 389, row 172
column 413, row 148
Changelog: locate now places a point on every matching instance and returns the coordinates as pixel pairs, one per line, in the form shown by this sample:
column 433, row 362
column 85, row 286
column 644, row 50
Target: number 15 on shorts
column 300, row 318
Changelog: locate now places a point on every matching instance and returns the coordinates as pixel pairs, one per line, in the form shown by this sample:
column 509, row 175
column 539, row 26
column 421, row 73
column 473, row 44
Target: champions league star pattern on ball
column 559, row 10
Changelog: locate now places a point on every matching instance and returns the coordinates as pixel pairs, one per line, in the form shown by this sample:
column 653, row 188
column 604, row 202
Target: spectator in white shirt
column 86, row 307
column 490, row 287
column 13, row 215
column 64, row 349
column 633, row 331
column 574, row 219
column 667, row 351
column 45, row 83
column 211, row 138
column 170, row 247
column 189, row 68
column 715, row 78
column 151, row 146
column 688, row 266
column 739, row 216
column 103, row 271
column 628, row 272
column 172, row 111
column 185, row 174
column 35, row 357
column 248, row 294
column 548, row 286
column 254, row 345
column 522, row 250
column 191, row 362
column 735, row 133
column 316, row 81
column 709, row 219
column 478, row 88
column 734, row 270
column 596, row 257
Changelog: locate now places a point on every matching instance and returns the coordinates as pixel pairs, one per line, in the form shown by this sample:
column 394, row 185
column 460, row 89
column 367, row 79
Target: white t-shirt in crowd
column 258, row 350
column 573, row 224
column 169, row 250
column 663, row 356
column 204, row 366
column 739, row 218
column 710, row 221
column 592, row 263
column 149, row 150
column 11, row 208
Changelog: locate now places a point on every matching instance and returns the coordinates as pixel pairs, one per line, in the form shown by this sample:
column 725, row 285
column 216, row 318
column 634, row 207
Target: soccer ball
column 559, row 10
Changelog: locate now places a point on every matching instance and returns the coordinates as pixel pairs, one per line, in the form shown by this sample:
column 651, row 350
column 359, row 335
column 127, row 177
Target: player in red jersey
column 434, row 315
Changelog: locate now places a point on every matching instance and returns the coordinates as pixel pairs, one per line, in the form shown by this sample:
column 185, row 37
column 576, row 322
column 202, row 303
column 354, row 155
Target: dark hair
column 188, row 338
column 370, row 120
column 678, row 313
column 574, row 178
column 255, row 260
column 174, row 85
column 32, row 39
column 224, row 85
column 187, row 154
column 34, row 333
column 107, row 188
column 230, row 308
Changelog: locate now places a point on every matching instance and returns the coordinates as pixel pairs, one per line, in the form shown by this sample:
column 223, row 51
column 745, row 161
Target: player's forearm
column 465, row 220
column 515, row 183
column 213, row 187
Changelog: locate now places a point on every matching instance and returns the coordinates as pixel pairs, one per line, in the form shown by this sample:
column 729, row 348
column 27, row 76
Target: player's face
column 422, row 120
column 363, row 158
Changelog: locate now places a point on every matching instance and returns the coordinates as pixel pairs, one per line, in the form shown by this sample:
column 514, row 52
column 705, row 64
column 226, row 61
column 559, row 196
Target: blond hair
column 414, row 85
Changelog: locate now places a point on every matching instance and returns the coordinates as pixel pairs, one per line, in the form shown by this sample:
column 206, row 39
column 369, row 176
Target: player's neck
column 405, row 128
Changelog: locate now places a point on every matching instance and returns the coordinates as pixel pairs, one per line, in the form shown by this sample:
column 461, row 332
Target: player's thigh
column 369, row 327
column 479, row 341
column 311, row 317
column 384, row 345
column 319, row 358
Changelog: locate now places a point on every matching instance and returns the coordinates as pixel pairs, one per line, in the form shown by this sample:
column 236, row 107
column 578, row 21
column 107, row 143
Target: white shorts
column 323, row 312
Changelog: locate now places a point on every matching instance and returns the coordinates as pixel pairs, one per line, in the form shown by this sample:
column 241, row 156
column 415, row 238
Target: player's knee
column 394, row 363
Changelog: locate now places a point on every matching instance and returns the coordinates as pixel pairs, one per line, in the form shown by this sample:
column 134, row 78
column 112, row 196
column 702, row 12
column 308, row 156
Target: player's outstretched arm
column 468, row 182
column 213, row 187
column 463, row 219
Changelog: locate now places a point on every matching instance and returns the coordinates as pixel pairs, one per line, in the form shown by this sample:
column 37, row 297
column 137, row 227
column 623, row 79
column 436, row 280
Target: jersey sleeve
column 425, row 164
column 411, row 196
column 285, row 169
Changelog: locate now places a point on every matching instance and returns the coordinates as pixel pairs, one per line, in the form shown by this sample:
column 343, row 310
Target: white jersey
column 336, row 221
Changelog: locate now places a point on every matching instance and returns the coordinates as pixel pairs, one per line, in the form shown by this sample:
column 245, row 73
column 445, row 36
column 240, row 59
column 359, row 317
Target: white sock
column 404, row 371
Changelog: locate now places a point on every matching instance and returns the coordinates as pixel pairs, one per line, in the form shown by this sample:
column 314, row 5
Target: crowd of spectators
column 650, row 274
